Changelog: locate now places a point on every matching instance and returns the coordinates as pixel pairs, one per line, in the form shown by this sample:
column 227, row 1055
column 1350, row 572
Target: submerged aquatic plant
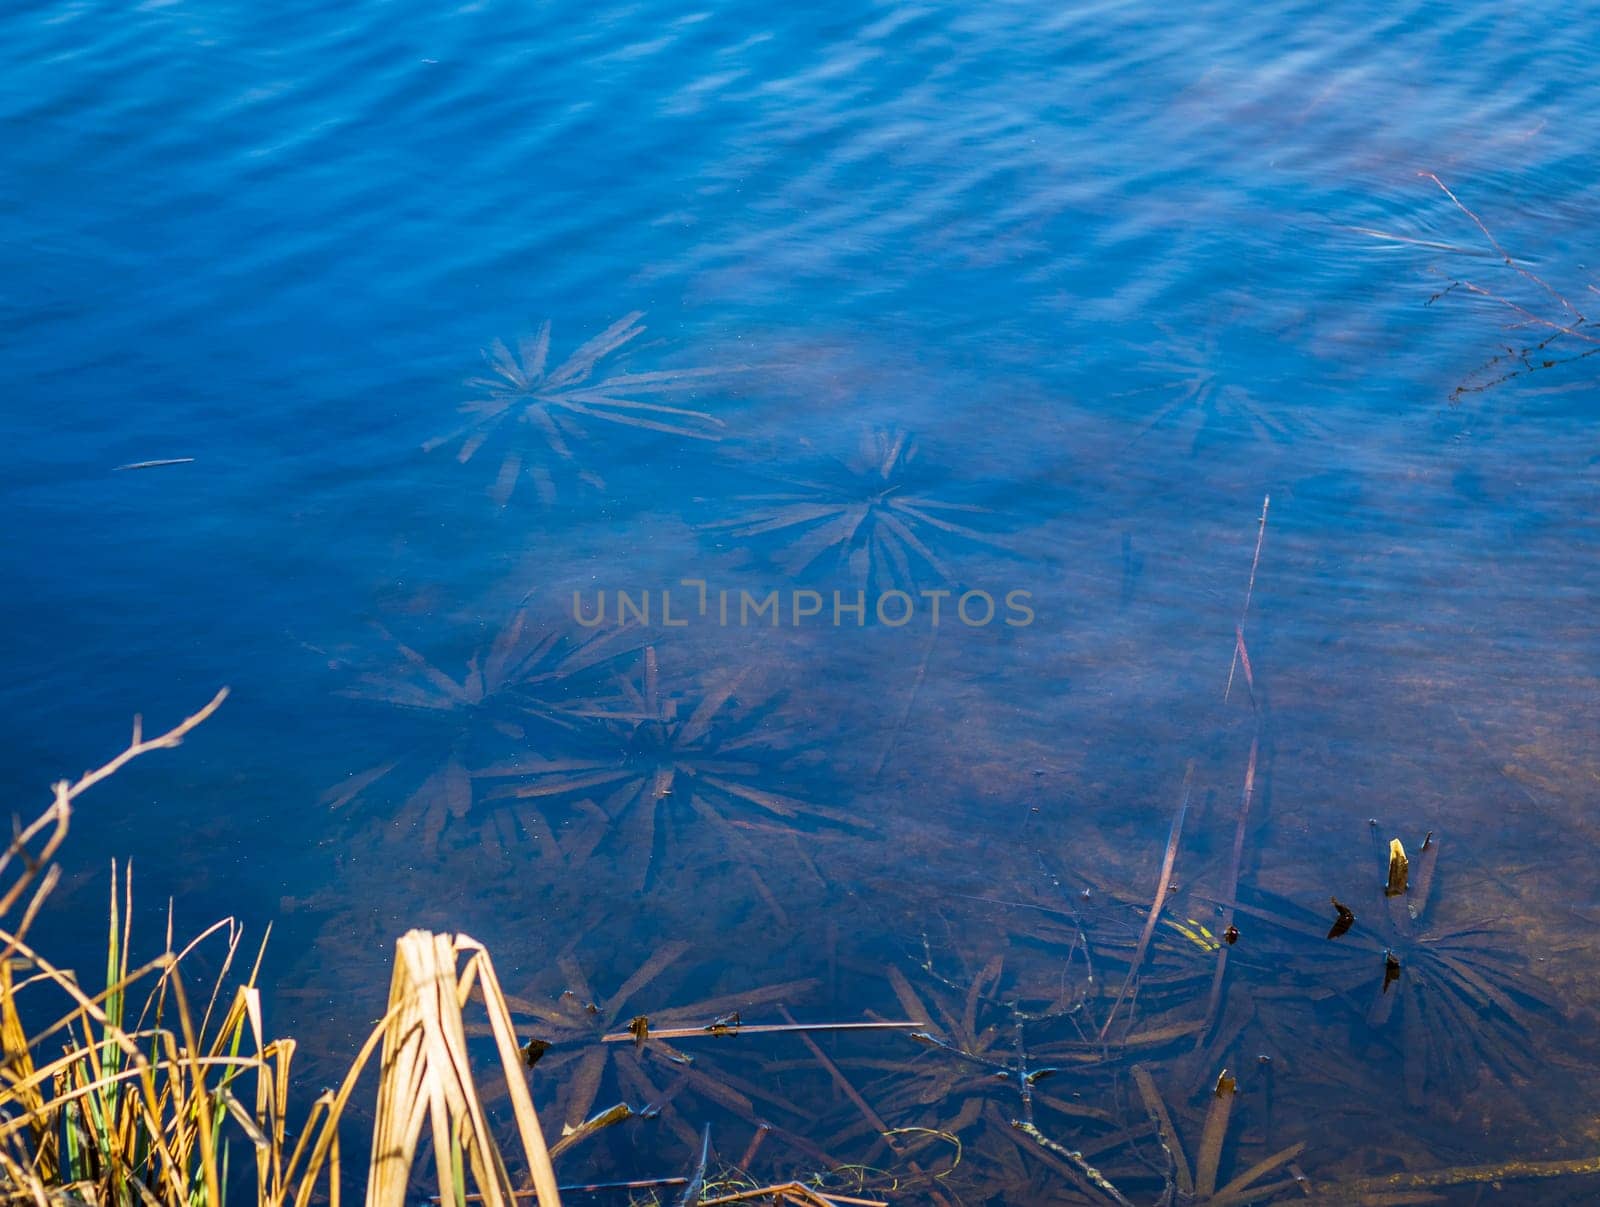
column 874, row 518
column 699, row 751
column 527, row 679
column 1202, row 406
column 566, row 1038
column 997, row 1081
column 1453, row 1002
column 561, row 405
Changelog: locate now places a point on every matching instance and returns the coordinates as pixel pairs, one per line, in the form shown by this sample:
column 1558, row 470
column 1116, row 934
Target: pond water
column 1033, row 304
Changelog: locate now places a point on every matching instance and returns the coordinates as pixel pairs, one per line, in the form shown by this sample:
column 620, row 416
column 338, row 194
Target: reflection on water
column 1124, row 271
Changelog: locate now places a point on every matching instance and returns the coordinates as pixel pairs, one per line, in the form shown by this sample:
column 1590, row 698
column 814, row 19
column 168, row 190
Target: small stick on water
column 1261, row 535
column 154, row 464
column 1460, row 1175
column 729, row 1029
column 1243, row 655
column 606, row 1118
column 790, row 1191
column 1160, row 900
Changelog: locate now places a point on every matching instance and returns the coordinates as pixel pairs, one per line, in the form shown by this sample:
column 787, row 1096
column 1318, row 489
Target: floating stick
column 1460, row 1175
column 157, row 464
column 727, row 1029
column 790, row 1191
column 843, row 1083
column 577, row 1135
column 587, row 1188
column 1499, row 250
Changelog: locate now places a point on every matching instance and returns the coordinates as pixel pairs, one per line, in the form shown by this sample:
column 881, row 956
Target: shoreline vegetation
column 162, row 1088
column 157, row 1088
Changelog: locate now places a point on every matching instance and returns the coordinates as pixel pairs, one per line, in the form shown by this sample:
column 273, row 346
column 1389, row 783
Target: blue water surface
column 1088, row 284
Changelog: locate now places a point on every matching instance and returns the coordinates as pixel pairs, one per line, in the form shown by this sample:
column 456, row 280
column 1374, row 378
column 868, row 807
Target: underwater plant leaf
column 1212, row 1134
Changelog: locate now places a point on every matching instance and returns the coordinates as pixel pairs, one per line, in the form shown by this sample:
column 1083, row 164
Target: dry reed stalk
column 427, row 1080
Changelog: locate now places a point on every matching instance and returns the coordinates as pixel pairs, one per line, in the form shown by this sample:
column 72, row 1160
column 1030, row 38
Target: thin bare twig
column 1255, row 562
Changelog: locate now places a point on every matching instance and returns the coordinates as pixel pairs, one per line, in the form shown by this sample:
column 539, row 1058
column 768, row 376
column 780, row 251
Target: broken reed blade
column 1399, row 867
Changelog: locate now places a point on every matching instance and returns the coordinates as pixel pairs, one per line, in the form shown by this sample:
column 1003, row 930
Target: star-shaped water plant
column 535, row 415
column 1202, row 406
column 1449, row 1001
column 696, row 756
column 567, row 1046
column 879, row 518
column 527, row 679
